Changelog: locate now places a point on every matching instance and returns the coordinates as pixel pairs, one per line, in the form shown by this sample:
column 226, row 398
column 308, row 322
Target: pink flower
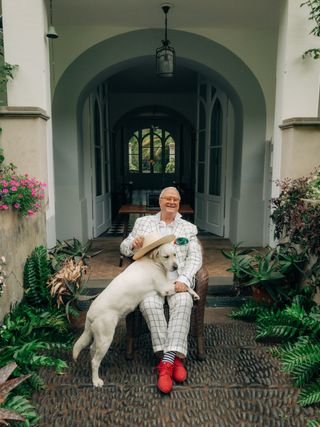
column 16, row 205
column 20, row 196
column 13, row 188
column 30, row 212
column 5, row 190
column 4, row 207
column 4, row 183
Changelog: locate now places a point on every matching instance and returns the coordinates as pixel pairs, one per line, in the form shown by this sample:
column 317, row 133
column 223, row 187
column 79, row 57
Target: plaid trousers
column 171, row 336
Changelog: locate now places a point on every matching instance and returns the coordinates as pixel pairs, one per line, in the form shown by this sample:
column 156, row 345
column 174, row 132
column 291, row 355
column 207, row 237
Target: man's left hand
column 180, row 287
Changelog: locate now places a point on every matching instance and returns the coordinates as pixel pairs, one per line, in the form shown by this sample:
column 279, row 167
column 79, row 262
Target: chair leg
column 201, row 352
column 120, row 260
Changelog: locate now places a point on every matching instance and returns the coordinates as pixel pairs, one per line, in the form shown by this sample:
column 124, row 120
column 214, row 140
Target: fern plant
column 15, row 408
column 287, row 324
column 36, row 274
column 31, row 336
column 249, row 311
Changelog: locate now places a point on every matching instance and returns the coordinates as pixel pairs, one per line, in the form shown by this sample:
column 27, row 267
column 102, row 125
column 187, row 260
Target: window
column 151, row 150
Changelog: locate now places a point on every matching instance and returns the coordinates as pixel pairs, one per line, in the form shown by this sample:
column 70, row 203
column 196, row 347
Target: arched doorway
column 153, row 147
column 207, row 58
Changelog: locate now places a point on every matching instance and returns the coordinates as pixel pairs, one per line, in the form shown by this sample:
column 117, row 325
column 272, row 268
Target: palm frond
column 310, row 395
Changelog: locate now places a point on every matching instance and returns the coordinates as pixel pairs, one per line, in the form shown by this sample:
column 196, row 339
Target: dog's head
column 166, row 256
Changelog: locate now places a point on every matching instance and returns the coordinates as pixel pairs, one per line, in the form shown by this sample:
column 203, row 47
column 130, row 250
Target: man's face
column 169, row 202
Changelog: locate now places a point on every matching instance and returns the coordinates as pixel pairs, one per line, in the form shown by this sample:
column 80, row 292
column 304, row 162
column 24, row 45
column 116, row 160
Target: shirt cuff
column 182, row 278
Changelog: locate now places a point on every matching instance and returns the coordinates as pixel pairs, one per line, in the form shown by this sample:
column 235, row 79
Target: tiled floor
column 106, row 264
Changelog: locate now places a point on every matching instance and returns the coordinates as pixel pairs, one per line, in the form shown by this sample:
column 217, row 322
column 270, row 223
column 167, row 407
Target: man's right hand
column 137, row 242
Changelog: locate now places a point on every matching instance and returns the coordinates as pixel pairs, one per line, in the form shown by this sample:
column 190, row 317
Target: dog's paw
column 98, row 382
column 196, row 297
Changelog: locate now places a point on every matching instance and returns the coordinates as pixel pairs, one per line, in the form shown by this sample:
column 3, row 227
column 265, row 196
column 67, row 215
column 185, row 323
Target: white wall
column 298, row 79
column 25, row 44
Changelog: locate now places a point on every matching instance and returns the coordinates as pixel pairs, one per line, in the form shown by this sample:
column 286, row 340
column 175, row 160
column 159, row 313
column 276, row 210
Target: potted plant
column 68, row 287
column 271, row 274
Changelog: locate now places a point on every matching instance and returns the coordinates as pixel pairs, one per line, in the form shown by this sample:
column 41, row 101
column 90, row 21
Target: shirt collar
column 177, row 218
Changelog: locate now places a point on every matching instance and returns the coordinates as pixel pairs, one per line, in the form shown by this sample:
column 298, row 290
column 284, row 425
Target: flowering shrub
column 3, row 274
column 294, row 217
column 23, row 193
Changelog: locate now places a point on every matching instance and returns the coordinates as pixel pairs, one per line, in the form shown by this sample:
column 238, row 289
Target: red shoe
column 165, row 370
column 179, row 371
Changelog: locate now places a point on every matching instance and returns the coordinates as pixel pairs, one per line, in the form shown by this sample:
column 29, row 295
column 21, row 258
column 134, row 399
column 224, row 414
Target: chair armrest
column 201, row 282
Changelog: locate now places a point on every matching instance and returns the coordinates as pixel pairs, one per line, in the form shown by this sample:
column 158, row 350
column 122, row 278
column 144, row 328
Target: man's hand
column 137, row 242
column 180, row 287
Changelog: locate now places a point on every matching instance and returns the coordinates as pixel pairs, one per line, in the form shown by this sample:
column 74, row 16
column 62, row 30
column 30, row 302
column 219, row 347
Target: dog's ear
column 154, row 254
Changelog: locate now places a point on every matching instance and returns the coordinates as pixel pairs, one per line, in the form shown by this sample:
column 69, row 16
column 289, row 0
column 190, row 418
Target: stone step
column 225, row 301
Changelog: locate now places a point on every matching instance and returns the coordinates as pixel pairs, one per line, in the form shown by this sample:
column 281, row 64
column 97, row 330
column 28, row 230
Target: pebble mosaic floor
column 238, row 385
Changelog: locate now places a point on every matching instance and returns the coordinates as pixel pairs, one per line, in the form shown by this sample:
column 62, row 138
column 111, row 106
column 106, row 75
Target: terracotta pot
column 259, row 294
column 77, row 322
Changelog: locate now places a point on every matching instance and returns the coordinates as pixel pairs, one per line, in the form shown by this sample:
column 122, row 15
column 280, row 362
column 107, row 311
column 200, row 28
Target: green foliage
column 314, row 15
column 16, row 408
column 37, row 271
column 314, row 423
column 29, row 336
column 276, row 270
column 310, row 394
column 287, row 324
column 70, row 248
column 23, row 407
column 249, row 311
column 293, row 217
column 6, row 70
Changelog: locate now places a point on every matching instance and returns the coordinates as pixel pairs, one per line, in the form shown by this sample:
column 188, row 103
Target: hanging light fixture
column 165, row 55
column 52, row 34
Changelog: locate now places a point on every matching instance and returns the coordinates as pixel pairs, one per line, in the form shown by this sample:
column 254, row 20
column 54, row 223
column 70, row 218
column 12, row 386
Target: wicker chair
column 136, row 324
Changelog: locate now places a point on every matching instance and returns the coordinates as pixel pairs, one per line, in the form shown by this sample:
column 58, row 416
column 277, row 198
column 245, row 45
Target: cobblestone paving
column 239, row 384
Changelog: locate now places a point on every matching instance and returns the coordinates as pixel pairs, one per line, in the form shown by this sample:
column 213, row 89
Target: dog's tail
column 83, row 341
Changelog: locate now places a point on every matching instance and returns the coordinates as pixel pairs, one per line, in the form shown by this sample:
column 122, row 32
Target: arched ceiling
column 184, row 13
column 143, row 78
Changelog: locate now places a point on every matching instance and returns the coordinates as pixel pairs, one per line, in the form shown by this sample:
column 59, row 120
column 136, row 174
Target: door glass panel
column 216, row 125
column 202, row 146
column 213, row 92
column 170, row 155
column 146, row 148
column 215, row 150
column 203, row 91
column 97, row 157
column 215, row 171
column 200, row 177
column 202, row 117
column 98, row 148
column 157, row 154
column 151, row 150
column 133, row 155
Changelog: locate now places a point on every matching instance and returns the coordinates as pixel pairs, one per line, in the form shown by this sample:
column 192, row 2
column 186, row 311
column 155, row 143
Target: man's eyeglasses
column 169, row 199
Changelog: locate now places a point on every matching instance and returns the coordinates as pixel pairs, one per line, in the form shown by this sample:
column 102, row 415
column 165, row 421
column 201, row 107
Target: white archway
column 212, row 60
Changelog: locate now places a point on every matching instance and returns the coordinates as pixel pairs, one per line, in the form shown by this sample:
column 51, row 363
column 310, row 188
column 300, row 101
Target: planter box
column 18, row 237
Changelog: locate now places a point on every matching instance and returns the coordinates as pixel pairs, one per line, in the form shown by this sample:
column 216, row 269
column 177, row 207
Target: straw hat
column 152, row 241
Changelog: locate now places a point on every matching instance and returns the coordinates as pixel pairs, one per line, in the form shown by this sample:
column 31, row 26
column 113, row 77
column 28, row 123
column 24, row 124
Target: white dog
column 142, row 278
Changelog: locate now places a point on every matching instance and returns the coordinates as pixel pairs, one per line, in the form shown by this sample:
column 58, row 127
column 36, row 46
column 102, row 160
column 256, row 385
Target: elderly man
column 169, row 339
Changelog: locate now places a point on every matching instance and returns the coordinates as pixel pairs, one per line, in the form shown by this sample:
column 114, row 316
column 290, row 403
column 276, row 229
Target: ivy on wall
column 314, row 15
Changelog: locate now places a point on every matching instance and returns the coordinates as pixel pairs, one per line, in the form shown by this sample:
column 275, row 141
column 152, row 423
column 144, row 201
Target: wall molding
column 300, row 122
column 23, row 112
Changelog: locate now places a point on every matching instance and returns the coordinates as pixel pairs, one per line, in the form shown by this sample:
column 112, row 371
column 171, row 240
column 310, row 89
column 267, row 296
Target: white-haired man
column 169, row 339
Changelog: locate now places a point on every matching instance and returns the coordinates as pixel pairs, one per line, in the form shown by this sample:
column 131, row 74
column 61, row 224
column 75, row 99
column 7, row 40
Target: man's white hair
column 169, row 188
